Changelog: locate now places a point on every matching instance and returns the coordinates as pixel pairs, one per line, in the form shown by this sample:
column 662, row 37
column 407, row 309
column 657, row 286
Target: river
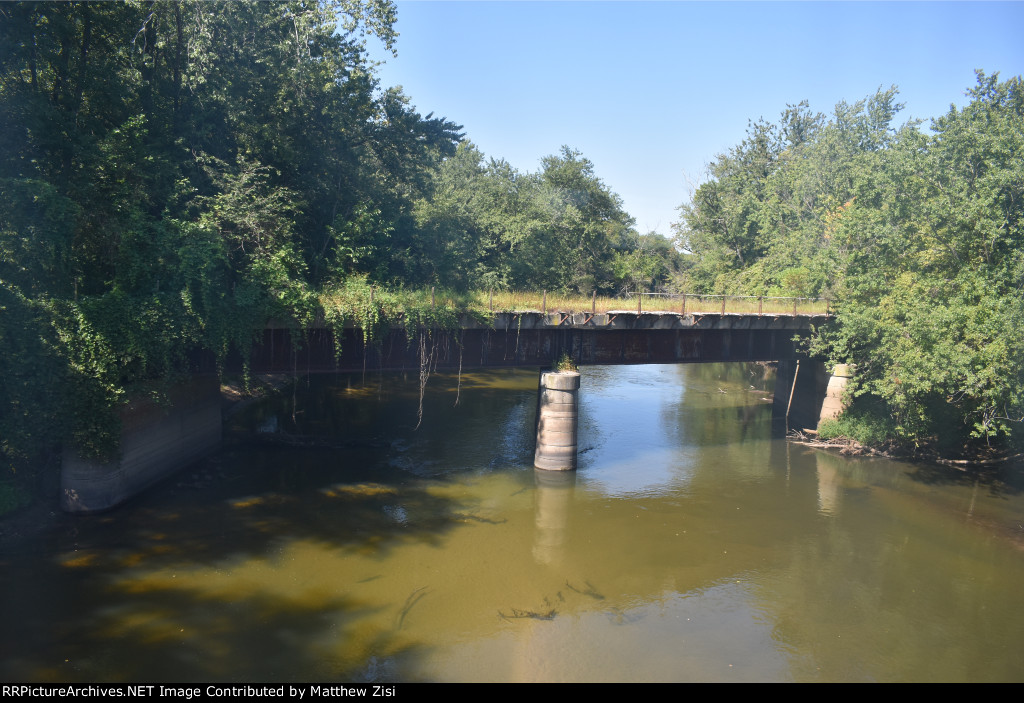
column 329, row 540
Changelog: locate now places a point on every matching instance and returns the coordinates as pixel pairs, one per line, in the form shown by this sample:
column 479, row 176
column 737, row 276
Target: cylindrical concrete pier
column 557, row 415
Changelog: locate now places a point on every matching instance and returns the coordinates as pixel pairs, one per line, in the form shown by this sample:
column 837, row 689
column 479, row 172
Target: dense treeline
column 916, row 234
column 173, row 174
column 484, row 225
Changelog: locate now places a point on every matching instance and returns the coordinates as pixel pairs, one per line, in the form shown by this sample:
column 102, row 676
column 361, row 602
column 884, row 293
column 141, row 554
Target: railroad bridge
column 538, row 339
column 158, row 440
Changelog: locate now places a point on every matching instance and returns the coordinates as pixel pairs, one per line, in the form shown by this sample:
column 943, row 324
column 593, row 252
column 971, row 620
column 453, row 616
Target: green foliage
column 586, row 221
column 354, row 301
column 565, row 364
column 644, row 262
column 917, row 239
column 33, row 373
column 932, row 285
column 764, row 224
column 171, row 173
column 484, row 225
column 871, row 427
column 36, row 229
column 14, row 494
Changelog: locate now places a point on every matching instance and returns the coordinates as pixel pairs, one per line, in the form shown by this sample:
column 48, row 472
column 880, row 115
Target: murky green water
column 330, row 541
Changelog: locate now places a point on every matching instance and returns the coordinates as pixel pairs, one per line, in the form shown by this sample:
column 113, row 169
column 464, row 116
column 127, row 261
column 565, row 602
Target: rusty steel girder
column 535, row 339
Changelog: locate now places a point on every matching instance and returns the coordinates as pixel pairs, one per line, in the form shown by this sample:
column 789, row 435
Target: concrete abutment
column 806, row 393
column 155, row 442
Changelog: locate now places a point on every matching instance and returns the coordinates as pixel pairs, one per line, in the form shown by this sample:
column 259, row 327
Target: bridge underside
column 315, row 351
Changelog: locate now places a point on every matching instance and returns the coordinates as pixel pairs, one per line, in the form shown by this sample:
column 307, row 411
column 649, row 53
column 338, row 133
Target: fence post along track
column 715, row 303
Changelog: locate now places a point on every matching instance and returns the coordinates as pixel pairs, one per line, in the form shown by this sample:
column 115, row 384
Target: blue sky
column 650, row 92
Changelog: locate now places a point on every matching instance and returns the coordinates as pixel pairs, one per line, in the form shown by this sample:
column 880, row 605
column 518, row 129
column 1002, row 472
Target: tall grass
column 507, row 301
column 356, row 300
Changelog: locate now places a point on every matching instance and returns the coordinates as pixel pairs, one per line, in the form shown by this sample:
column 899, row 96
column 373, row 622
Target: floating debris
column 531, row 614
column 589, row 591
column 465, row 517
column 412, row 600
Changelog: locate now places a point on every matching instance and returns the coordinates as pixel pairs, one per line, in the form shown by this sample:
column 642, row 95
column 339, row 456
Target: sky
column 651, row 92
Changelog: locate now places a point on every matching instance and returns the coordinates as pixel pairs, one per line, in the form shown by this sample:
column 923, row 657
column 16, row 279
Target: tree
column 915, row 236
column 170, row 174
column 645, row 262
column 762, row 224
column 931, row 293
column 585, row 220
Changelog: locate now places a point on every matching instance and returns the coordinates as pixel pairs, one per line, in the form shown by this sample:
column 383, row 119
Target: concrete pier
column 800, row 388
column 155, row 442
column 557, row 415
column 832, row 407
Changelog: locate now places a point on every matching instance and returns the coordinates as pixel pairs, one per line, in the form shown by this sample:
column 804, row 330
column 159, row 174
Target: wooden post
column 544, row 303
column 593, row 304
column 683, row 311
column 794, row 305
column 639, row 302
column 490, row 300
column 791, row 390
column 759, row 301
column 723, row 304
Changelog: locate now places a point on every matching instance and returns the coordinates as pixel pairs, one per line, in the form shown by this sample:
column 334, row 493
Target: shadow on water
column 186, row 587
column 279, row 552
column 1006, row 480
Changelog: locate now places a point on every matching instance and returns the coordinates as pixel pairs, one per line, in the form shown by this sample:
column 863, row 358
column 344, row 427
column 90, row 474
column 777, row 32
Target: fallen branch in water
column 851, row 447
column 590, row 590
column 531, row 614
column 466, row 517
column 412, row 600
column 981, row 462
